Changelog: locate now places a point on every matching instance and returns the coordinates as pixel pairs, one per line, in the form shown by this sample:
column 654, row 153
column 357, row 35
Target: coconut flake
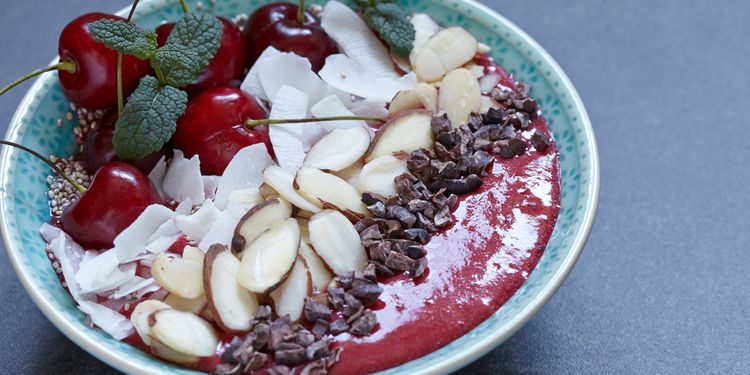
column 196, row 225
column 136, row 284
column 332, row 106
column 245, row 170
column 289, row 69
column 68, row 254
column 356, row 39
column 158, row 172
column 102, row 274
column 183, row 178
column 210, row 184
column 375, row 107
column 251, row 84
column 221, row 232
column 288, row 139
column 347, row 75
column 184, row 208
column 110, row 321
column 161, row 244
column 132, row 241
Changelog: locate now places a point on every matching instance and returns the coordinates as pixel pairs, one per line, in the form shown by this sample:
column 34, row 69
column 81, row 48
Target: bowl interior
column 24, row 206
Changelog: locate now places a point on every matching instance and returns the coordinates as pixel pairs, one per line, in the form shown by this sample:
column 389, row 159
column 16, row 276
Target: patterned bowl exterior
column 24, row 206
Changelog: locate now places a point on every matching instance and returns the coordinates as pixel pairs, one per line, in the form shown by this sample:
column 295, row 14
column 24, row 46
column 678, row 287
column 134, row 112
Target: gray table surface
column 663, row 284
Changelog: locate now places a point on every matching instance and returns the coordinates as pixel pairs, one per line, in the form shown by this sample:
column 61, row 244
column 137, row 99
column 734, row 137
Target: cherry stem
column 68, row 66
column 52, row 165
column 253, row 123
column 301, row 12
column 120, row 96
column 184, row 5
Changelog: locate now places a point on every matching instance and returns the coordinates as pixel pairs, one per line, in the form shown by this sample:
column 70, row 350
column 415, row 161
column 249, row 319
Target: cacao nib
column 440, row 124
column 315, row 368
column 401, row 214
column 477, row 163
column 320, row 328
column 509, row 148
column 540, row 141
column 364, row 324
column 416, row 205
column 412, row 234
column 367, row 293
column 371, row 235
column 377, row 209
column 379, row 251
column 518, row 120
column 346, row 280
column 339, row 326
column 443, row 217
column 336, row 297
column 398, row 261
column 370, row 273
column 493, row 116
column 317, row 350
column 314, row 311
column 458, row 186
column 425, row 223
column 370, row 198
column 418, row 267
column 228, row 369
column 475, row 121
column 382, row 270
column 353, row 305
column 280, row 370
column 447, row 139
column 415, row 252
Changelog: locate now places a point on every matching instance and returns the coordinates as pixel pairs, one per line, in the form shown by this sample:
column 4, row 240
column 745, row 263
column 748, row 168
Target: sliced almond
column 194, row 306
column 140, row 315
column 445, row 51
column 321, row 187
column 459, row 96
column 378, row 175
column 320, row 275
column 184, row 332
column 183, row 277
column 289, row 297
column 267, row 260
column 266, row 191
column 337, row 242
column 338, row 149
column 422, row 96
column 231, row 305
column 282, row 181
column 164, row 352
column 406, row 132
column 427, row 95
column 258, row 220
column 192, row 253
column 350, row 174
column 244, row 199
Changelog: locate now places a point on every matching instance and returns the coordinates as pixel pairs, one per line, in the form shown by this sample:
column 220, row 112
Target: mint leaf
column 124, row 37
column 148, row 120
column 179, row 66
column 391, row 23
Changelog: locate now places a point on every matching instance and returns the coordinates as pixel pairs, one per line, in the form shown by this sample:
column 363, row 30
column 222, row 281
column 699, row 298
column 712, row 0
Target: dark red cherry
column 276, row 25
column 213, row 127
column 98, row 149
column 93, row 84
column 228, row 64
column 118, row 194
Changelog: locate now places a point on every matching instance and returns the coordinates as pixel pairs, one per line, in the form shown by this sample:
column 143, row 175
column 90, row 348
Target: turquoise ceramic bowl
column 24, row 207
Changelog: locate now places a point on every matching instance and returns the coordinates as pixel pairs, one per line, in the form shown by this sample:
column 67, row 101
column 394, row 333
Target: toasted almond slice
column 338, row 149
column 445, row 51
column 337, row 242
column 231, row 305
column 140, row 315
column 289, row 297
column 459, row 96
column 162, row 351
column 267, row 260
column 406, row 132
column 194, row 306
column 378, row 175
column 316, row 185
column 258, row 220
column 180, row 276
column 320, row 275
column 184, row 332
column 283, row 182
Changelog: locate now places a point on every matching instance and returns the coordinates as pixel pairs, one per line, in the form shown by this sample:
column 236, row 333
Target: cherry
column 118, row 194
column 98, row 148
column 213, row 127
column 87, row 69
column 228, row 64
column 284, row 27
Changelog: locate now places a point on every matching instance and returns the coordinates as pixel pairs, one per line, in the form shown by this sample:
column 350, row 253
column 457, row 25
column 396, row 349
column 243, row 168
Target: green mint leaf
column 391, row 23
column 148, row 120
column 179, row 65
column 124, row 37
column 190, row 47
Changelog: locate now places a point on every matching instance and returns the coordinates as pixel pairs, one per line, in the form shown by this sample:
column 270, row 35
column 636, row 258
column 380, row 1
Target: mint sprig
column 391, row 23
column 149, row 118
column 124, row 37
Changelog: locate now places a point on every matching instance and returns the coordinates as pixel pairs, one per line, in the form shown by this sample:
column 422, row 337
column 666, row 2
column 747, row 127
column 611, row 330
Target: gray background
column 662, row 286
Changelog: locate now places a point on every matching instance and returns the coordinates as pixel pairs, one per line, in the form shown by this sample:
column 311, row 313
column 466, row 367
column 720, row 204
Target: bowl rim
column 463, row 357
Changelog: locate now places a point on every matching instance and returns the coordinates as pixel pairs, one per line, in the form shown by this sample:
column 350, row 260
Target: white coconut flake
column 196, row 225
column 183, row 178
column 102, row 273
column 347, row 75
column 158, row 172
column 136, row 284
column 288, row 139
column 210, row 183
column 110, row 321
column 245, row 170
column 221, row 232
column 184, row 208
column 356, row 39
column 332, row 106
column 161, row 244
column 251, row 84
column 375, row 107
column 68, row 254
column 132, row 241
column 289, row 69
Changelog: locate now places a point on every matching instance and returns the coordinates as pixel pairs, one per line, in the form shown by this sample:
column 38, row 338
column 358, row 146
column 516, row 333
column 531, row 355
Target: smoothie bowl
column 353, row 188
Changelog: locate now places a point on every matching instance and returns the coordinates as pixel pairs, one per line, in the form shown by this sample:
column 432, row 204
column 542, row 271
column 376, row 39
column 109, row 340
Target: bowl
column 24, row 206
